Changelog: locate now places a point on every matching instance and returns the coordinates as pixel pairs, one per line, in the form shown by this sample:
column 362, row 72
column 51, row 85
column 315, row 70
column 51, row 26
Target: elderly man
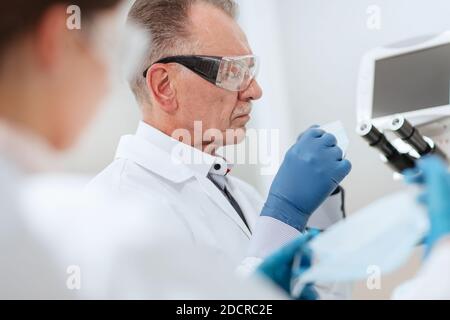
column 200, row 70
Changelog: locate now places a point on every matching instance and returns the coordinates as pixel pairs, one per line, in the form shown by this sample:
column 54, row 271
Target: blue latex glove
column 279, row 267
column 436, row 178
column 312, row 169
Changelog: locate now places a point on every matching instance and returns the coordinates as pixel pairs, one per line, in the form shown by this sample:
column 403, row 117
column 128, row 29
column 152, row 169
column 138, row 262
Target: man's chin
column 236, row 135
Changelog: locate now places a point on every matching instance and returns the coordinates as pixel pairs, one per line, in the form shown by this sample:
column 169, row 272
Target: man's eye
column 247, row 75
column 235, row 72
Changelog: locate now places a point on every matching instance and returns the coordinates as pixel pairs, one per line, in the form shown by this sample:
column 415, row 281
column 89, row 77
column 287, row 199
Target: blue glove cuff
column 284, row 211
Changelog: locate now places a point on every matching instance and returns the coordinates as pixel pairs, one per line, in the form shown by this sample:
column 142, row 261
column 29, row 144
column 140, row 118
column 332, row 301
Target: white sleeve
column 433, row 280
column 271, row 235
column 331, row 212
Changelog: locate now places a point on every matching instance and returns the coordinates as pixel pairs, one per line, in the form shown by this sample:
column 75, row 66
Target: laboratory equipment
column 404, row 92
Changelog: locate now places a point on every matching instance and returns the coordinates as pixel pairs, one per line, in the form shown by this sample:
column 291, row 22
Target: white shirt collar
column 201, row 164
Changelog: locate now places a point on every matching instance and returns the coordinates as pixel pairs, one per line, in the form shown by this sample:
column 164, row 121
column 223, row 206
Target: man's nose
column 253, row 92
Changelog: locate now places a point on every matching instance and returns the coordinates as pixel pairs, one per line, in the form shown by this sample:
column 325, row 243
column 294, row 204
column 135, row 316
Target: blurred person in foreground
column 56, row 242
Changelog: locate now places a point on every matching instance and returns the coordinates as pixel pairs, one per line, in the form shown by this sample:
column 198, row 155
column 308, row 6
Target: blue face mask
column 381, row 236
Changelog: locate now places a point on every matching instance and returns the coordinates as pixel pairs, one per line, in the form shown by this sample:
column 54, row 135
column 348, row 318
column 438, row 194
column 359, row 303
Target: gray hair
column 166, row 22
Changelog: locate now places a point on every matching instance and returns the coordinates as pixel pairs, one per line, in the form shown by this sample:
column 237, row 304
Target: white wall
column 311, row 51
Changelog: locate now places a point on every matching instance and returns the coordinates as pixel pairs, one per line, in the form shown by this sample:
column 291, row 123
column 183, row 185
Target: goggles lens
column 237, row 73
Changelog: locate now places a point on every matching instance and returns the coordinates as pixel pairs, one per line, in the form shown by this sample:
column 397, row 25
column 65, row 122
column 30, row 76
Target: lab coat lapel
column 159, row 161
column 222, row 202
column 246, row 206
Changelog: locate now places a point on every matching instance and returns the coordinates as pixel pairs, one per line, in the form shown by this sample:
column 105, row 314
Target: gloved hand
column 312, row 169
column 436, row 178
column 279, row 267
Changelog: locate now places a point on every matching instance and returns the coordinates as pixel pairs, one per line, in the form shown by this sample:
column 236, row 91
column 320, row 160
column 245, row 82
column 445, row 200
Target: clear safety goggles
column 230, row 73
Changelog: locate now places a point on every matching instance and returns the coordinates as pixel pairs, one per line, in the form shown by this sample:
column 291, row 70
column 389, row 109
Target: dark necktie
column 230, row 198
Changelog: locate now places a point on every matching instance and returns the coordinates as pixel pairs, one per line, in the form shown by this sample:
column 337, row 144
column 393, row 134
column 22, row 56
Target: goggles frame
column 212, row 68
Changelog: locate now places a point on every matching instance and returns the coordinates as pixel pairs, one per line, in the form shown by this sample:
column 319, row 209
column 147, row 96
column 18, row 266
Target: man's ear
column 161, row 86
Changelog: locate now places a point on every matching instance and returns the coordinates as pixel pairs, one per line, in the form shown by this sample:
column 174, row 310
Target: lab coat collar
column 168, row 157
column 173, row 160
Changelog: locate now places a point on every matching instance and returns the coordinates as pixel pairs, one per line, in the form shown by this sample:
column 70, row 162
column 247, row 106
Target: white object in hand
column 382, row 235
column 337, row 129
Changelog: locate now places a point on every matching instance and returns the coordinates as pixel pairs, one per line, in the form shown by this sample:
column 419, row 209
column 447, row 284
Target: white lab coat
column 57, row 242
column 151, row 163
